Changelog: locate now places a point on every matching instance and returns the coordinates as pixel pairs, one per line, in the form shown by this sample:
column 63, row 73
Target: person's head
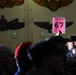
column 21, row 55
column 47, row 54
column 72, row 38
column 60, row 41
column 72, row 44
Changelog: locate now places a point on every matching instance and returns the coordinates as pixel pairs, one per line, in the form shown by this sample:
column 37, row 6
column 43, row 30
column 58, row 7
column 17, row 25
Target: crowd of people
column 51, row 56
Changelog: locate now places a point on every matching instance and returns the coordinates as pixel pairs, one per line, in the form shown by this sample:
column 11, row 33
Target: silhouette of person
column 6, row 60
column 22, row 60
column 48, row 57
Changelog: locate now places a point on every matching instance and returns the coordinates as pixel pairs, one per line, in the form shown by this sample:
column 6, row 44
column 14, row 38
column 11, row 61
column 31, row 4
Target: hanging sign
column 59, row 24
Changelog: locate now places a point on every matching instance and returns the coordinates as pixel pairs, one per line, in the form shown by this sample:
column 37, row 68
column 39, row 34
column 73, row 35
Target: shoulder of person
column 68, row 73
column 35, row 71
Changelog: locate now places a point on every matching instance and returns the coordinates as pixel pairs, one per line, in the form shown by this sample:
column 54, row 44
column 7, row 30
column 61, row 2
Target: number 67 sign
column 59, row 24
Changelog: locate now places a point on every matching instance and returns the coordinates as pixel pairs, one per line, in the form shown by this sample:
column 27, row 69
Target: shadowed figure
column 22, row 60
column 6, row 60
column 48, row 56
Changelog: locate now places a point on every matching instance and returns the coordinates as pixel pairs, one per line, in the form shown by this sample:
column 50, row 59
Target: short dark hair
column 59, row 39
column 72, row 38
column 44, row 48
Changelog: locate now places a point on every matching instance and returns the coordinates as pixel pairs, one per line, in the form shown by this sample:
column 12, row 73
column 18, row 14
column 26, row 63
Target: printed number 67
column 58, row 23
